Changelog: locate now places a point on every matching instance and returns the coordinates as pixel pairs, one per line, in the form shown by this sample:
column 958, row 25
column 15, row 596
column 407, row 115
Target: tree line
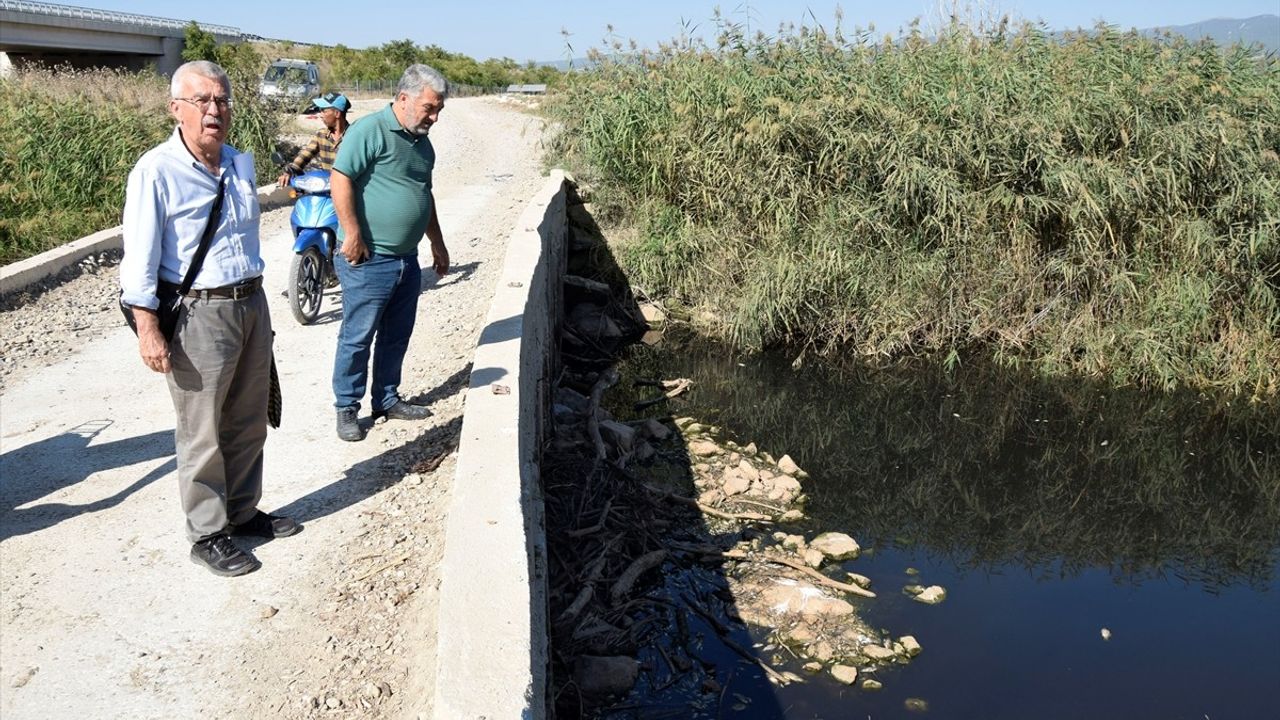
column 342, row 65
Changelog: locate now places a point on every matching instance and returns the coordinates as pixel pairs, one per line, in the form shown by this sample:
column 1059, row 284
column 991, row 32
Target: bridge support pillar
column 171, row 58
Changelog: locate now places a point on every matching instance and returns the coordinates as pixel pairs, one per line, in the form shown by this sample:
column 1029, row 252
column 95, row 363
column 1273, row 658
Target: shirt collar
column 179, row 148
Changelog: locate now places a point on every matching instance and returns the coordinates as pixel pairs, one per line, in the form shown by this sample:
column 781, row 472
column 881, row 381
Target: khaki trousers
column 221, row 358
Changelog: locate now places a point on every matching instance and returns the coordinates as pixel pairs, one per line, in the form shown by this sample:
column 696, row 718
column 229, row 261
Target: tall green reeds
column 68, row 139
column 1103, row 204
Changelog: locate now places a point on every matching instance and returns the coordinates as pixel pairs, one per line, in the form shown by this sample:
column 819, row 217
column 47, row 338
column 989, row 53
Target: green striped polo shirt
column 391, row 170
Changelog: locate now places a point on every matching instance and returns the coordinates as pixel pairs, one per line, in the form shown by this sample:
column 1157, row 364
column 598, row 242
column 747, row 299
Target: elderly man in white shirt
column 218, row 361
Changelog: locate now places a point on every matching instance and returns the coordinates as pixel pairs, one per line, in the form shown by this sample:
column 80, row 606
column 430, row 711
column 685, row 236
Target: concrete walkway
column 104, row 616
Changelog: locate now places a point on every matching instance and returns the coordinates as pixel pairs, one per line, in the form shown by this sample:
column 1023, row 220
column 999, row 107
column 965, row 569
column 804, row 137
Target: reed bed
column 68, row 139
column 1102, row 204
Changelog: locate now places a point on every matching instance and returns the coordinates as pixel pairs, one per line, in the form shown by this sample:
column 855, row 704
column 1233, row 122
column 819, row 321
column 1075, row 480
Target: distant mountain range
column 1262, row 30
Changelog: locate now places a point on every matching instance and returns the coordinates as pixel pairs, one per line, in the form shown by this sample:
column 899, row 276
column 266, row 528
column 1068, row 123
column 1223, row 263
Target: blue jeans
column 379, row 301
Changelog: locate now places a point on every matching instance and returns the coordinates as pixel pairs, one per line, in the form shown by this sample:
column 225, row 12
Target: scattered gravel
column 51, row 320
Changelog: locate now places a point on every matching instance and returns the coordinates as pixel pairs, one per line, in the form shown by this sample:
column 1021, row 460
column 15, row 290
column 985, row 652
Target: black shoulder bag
column 170, row 297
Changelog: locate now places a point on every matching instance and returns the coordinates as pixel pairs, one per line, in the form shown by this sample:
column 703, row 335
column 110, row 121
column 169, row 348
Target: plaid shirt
column 322, row 149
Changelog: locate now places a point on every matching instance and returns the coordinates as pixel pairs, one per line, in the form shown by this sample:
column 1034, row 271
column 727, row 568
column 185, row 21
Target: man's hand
column 354, row 250
column 152, row 346
column 439, row 258
column 283, row 179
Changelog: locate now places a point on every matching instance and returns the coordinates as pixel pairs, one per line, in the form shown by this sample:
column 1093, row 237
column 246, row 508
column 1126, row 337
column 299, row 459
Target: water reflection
column 989, row 466
column 1049, row 509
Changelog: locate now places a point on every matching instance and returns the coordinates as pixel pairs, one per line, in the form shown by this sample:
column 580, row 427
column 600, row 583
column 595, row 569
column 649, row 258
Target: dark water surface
column 1049, row 509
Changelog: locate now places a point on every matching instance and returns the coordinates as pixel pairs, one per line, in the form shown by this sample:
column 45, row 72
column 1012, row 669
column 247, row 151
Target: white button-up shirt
column 166, row 207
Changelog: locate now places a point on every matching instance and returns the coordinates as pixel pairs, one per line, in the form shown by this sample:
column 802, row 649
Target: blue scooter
column 315, row 232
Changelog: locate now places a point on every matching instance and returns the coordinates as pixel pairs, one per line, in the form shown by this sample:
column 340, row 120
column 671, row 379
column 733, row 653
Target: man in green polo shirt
column 381, row 187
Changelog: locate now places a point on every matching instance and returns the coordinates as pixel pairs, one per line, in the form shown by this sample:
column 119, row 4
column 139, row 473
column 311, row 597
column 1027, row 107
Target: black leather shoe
column 349, row 425
column 403, row 411
column 222, row 557
column 265, row 525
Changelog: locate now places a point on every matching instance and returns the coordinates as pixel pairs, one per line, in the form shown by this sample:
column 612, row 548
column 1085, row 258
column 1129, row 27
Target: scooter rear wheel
column 307, row 287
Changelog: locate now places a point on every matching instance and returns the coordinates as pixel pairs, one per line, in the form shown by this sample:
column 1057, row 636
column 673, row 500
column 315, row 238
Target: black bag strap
column 197, row 260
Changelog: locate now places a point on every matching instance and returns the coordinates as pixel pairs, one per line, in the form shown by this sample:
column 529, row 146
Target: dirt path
column 103, row 614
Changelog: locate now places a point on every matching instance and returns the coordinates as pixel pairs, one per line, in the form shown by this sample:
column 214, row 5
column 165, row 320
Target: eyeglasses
column 202, row 102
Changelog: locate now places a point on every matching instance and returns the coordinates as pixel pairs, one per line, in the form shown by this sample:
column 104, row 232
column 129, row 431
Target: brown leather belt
column 239, row 291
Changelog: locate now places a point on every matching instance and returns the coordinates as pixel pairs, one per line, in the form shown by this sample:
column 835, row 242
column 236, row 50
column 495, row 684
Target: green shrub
column 68, row 139
column 1103, row 204
column 67, row 142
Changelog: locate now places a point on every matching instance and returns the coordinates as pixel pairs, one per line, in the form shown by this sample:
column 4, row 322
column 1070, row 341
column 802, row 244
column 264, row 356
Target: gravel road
column 103, row 614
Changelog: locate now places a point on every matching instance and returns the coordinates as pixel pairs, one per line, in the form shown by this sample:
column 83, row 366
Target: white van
column 291, row 78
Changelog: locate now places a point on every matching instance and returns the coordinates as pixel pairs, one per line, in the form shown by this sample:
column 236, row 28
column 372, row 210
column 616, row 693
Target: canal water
column 1053, row 510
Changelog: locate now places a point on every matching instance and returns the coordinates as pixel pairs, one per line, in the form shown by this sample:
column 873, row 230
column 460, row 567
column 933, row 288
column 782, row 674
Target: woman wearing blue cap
column 323, row 148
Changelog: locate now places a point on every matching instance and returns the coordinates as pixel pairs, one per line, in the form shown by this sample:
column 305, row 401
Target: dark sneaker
column 403, row 411
column 222, row 557
column 349, row 425
column 265, row 525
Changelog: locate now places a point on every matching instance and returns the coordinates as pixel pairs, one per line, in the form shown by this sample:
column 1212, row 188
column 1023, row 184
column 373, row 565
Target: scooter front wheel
column 307, row 287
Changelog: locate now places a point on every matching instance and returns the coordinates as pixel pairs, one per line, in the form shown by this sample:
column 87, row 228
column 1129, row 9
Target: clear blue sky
column 531, row 30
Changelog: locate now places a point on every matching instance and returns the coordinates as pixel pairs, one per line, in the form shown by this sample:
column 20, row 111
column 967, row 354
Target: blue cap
column 337, row 101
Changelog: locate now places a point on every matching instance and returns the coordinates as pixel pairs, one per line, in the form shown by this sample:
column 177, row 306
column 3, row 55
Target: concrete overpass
column 37, row 32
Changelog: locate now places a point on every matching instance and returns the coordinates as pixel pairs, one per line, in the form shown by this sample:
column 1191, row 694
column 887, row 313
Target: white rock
column 652, row 314
column 861, row 581
column 813, row 558
column 787, row 483
column 910, row 645
column 710, row 497
column 789, row 597
column 931, row 595
column 822, row 651
column 845, row 674
column 836, row 546
column 704, row 448
column 748, row 470
column 800, row 635
column 735, row 483
column 878, row 653
column 788, row 466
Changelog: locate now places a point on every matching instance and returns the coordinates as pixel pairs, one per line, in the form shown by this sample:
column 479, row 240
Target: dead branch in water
column 672, row 387
column 604, row 517
column 723, row 633
column 638, row 567
column 747, row 517
column 588, row 587
column 607, row 379
column 823, row 579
